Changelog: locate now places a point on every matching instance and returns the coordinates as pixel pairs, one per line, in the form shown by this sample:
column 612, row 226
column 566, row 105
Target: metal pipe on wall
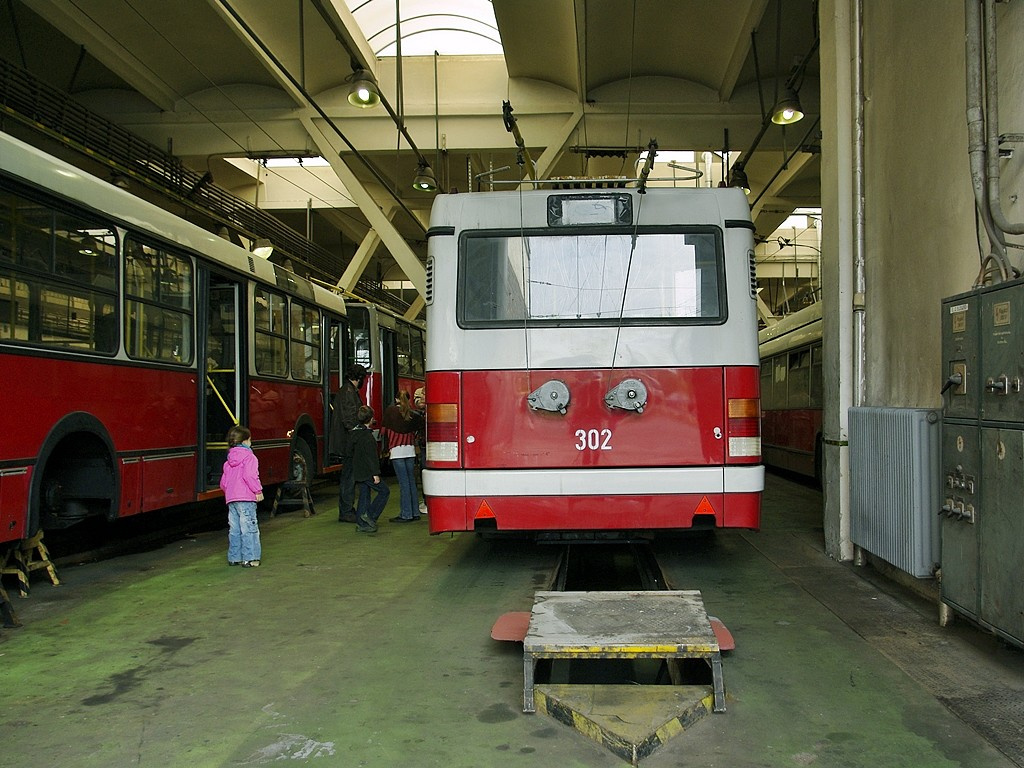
column 992, row 124
column 859, row 269
column 976, row 143
column 838, row 25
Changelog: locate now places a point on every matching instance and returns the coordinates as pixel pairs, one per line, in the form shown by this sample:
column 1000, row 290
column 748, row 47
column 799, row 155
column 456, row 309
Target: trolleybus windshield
column 591, row 279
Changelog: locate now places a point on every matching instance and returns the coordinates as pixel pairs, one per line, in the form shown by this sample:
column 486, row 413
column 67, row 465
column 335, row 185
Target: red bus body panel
column 682, row 425
column 568, row 513
column 144, row 408
column 671, row 431
column 150, row 416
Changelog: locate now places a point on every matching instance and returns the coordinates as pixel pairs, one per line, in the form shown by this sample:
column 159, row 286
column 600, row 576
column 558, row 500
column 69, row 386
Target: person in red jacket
column 240, row 481
column 401, row 423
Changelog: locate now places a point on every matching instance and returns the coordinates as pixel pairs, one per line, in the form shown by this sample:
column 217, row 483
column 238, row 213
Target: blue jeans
column 372, row 509
column 243, row 532
column 405, row 471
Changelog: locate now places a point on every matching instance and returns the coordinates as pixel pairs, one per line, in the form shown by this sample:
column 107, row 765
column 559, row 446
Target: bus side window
column 305, row 342
column 815, row 385
column 798, row 395
column 159, row 324
column 780, row 382
column 767, row 396
column 417, row 353
column 33, row 237
column 8, row 209
column 271, row 345
column 403, row 350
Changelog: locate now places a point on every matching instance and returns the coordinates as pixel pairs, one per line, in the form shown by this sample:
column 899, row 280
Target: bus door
column 388, row 368
column 337, row 354
column 220, row 405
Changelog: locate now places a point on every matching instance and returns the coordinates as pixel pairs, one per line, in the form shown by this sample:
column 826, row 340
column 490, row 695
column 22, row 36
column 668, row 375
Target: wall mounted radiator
column 894, row 476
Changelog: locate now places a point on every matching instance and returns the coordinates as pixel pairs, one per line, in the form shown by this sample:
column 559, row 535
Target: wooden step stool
column 295, row 492
column 27, row 556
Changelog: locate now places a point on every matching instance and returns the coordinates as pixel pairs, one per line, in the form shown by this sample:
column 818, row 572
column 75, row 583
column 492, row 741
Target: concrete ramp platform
column 631, row 721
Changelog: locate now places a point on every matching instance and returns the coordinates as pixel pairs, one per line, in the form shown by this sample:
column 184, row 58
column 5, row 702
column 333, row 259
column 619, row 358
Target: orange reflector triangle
column 484, row 511
column 704, row 508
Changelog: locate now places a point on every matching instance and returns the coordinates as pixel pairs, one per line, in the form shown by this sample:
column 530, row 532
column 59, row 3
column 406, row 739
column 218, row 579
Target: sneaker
column 360, row 528
column 234, row 562
column 423, row 507
column 401, row 519
column 370, row 524
column 251, row 564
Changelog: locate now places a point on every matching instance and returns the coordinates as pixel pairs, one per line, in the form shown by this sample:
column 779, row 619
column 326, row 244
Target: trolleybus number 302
column 593, row 439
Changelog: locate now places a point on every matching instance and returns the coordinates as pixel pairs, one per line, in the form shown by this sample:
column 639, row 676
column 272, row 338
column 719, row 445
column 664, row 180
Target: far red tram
column 791, row 393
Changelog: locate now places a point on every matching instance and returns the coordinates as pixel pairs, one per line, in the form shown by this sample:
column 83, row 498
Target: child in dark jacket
column 366, row 472
column 240, row 482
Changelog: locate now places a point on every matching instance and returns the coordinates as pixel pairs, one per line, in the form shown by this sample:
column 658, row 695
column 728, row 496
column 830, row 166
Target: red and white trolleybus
column 130, row 340
column 592, row 361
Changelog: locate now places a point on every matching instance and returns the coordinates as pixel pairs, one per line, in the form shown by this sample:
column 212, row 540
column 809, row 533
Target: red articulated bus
column 791, row 395
column 592, row 362
column 131, row 340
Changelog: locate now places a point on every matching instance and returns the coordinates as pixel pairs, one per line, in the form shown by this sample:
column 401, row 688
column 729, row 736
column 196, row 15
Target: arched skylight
column 449, row 27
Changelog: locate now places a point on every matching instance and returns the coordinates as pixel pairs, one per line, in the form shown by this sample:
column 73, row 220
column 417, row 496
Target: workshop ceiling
column 219, row 83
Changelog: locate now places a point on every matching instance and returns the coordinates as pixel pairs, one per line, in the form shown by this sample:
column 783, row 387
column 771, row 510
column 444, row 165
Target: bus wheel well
column 78, row 480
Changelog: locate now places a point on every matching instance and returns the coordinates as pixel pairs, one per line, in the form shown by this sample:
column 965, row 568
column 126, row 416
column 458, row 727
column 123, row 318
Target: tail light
column 744, row 427
column 443, row 418
column 442, row 432
column 743, row 412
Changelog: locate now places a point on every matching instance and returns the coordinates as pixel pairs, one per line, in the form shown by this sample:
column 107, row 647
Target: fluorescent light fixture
column 683, row 156
column 296, row 162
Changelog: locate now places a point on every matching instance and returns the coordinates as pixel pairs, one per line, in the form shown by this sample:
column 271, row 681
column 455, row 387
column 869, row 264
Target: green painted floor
column 348, row 649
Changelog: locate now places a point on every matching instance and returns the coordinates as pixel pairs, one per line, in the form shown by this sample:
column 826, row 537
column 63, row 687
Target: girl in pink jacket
column 240, row 481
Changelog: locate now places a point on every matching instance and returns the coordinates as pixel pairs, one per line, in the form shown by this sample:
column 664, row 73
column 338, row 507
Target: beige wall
column 920, row 232
column 920, row 242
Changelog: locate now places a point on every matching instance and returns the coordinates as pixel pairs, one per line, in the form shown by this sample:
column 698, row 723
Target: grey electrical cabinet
column 982, row 463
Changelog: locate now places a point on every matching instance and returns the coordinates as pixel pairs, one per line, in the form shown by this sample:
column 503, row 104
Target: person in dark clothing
column 366, row 472
column 345, row 407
